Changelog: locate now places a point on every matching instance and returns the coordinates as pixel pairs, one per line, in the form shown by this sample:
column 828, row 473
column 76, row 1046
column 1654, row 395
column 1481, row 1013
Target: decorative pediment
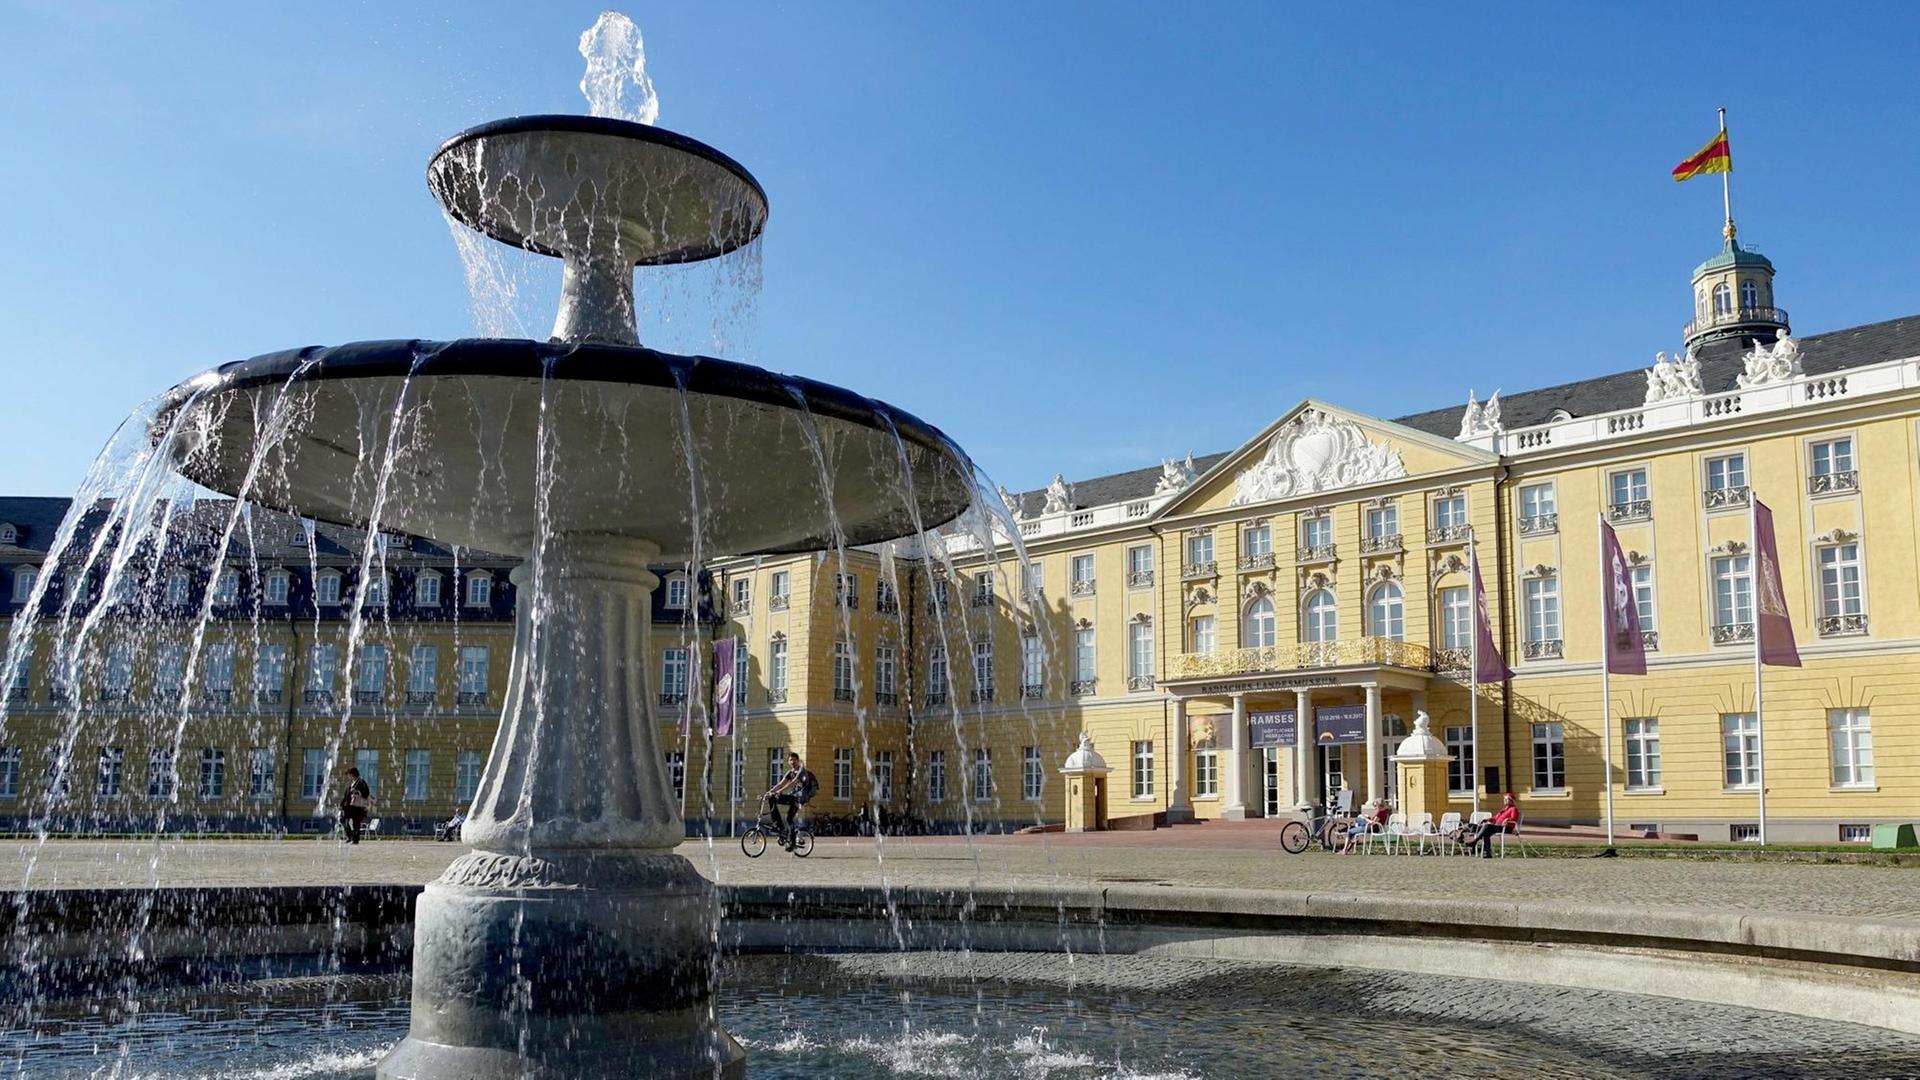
column 1315, row 580
column 1384, row 572
column 1083, row 624
column 1635, row 558
column 1254, row 589
column 1143, row 618
column 1316, row 451
column 1731, row 547
column 1198, row 597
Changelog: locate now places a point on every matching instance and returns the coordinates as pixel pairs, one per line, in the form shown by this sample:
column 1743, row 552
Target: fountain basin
column 495, row 441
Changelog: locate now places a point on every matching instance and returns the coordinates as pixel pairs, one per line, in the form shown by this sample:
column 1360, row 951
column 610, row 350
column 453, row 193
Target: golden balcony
column 1303, row 656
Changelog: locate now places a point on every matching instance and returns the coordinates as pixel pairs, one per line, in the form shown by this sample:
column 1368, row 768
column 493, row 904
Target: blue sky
column 1079, row 237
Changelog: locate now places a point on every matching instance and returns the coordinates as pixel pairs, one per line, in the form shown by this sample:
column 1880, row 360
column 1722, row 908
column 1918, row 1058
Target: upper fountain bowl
column 592, row 188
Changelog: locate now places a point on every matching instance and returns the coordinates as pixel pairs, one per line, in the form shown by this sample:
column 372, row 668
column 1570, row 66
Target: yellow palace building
column 1196, row 619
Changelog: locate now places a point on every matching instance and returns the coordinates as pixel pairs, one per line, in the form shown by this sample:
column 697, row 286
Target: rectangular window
column 1333, row 767
column 426, row 590
column 1199, row 548
column 937, row 673
column 476, row 662
column 1628, row 486
column 1549, row 757
column 1740, row 750
column 467, row 766
column 1732, row 591
column 219, row 667
column 479, row 589
column 983, row 588
column 883, row 776
column 370, row 673
column 937, row 776
column 982, row 774
column 326, row 590
column 1032, row 773
column 419, row 765
column 278, row 584
column 1202, row 637
column 673, row 674
column 842, row 671
column 113, row 762
column 1256, row 540
column 1537, row 502
column 178, row 584
column 313, row 773
column 846, row 590
column 1139, row 650
column 1840, row 580
column 1456, row 618
column 983, row 669
column 260, row 773
column 742, row 593
column 1033, row 579
column 843, row 773
column 1833, row 457
column 740, row 661
column 1450, row 512
column 1856, row 834
column 1850, row 732
column 323, row 666
column 1744, row 833
column 779, row 586
column 677, row 774
column 1543, row 609
column 1140, row 566
column 269, row 672
column 376, row 590
column 1082, row 573
column 160, row 774
column 1460, row 769
column 1643, row 600
column 1206, row 774
column 937, row 599
column 1727, row 473
column 1083, row 656
column 777, row 665
column 368, row 762
column 737, row 780
column 1643, row 754
column 1032, row 662
column 676, row 597
column 885, row 671
column 213, row 773
column 226, row 587
column 1383, row 522
column 1143, row 769
column 9, row 772
column 118, row 677
column 1316, row 531
column 423, row 669
column 776, row 764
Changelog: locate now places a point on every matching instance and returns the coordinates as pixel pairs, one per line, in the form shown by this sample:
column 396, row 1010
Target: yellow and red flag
column 1712, row 158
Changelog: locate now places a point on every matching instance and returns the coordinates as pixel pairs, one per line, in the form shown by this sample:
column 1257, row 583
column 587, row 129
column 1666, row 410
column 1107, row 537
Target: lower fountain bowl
column 492, row 443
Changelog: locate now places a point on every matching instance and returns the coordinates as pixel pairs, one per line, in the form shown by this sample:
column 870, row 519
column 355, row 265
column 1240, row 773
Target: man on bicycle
column 795, row 789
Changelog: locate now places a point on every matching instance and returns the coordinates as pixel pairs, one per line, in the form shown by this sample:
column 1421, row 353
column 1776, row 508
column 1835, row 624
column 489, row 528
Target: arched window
column 1258, row 631
column 1722, row 299
column 1322, row 616
column 1749, row 295
column 1699, row 303
column 1386, row 615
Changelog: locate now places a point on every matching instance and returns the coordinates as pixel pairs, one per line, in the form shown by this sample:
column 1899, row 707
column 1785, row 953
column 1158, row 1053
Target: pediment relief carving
column 1316, row 451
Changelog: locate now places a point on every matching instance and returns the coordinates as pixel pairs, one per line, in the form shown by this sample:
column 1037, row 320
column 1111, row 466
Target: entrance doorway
column 1273, row 780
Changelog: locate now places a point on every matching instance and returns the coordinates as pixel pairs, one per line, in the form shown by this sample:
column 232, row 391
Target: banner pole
column 1473, row 665
column 1606, row 675
column 1759, row 700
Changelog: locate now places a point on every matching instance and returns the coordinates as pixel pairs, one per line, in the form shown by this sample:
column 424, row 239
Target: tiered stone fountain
column 572, row 940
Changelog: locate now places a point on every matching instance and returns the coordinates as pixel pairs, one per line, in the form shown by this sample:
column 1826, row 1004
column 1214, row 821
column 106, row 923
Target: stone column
column 1376, row 758
column 573, row 916
column 1234, row 798
column 1179, row 795
column 1306, row 784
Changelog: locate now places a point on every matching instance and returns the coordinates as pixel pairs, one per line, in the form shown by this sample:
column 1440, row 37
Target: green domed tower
column 1733, row 298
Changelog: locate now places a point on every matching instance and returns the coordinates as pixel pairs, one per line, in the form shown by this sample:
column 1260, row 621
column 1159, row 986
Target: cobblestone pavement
column 1881, row 893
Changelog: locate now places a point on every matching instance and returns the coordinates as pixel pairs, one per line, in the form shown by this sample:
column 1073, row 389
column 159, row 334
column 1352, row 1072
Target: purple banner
column 1492, row 667
column 1769, row 598
column 1272, row 728
column 1336, row 724
column 1625, row 647
column 723, row 686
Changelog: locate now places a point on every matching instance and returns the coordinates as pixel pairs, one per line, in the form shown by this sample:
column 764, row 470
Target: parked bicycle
column 1321, row 827
column 753, row 842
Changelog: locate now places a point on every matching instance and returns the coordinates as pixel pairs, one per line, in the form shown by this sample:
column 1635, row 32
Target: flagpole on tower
column 1726, row 180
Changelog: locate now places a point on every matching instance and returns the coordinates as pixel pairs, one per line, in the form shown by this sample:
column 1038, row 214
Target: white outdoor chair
column 1396, row 834
column 1343, row 802
column 1513, row 835
column 1449, row 832
column 1374, row 836
column 1425, row 831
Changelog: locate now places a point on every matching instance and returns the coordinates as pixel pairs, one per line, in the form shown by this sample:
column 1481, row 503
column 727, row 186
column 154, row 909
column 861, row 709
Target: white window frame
column 1842, row 591
column 1142, row 768
column 982, row 774
column 1206, row 773
column 479, row 589
column 674, row 663
column 1461, row 778
column 1549, row 757
column 674, row 594
column 883, row 776
column 1731, row 577
column 1830, row 457
column 262, row 777
column 1256, row 539
column 326, row 588
column 426, row 589
column 1628, row 485
column 842, row 773
column 476, row 667
column 24, row 575
column 983, row 673
column 213, row 774
column 1199, row 548
column 1203, row 635
column 1449, row 511
column 468, row 768
column 1726, row 472
column 936, row 776
column 1541, row 596
column 777, row 663
column 1850, row 745
column 1316, row 530
column 1539, row 500
column 279, row 586
column 1383, row 521
column 1032, row 774
column 1641, row 736
column 1456, row 617
column 1387, row 611
column 416, row 775
column 1320, row 616
column 1739, row 752
column 1646, row 596
column 1139, row 650
column 423, row 669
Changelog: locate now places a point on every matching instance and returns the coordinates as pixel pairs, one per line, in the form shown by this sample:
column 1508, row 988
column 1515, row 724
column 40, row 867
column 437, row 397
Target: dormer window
column 279, row 582
column 479, row 589
column 426, row 589
column 326, row 588
column 24, row 576
column 676, row 594
column 226, row 587
column 376, row 590
column 9, row 534
column 178, row 586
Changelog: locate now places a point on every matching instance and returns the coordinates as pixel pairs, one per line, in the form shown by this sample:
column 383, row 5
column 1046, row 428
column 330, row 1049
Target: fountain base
column 578, row 965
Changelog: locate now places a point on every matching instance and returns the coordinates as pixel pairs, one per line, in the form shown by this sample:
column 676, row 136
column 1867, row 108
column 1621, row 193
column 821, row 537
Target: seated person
column 1507, row 819
column 450, row 829
column 1373, row 819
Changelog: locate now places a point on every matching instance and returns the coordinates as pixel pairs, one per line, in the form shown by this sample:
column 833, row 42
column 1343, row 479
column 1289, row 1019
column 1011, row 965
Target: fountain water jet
column 574, row 826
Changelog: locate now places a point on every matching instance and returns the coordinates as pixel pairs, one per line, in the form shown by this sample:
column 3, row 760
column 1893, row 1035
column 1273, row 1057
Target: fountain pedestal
column 572, row 941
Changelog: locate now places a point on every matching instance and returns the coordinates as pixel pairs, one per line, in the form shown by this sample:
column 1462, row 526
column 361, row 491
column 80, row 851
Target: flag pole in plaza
column 1473, row 668
column 1772, row 633
column 1759, row 706
column 1606, row 675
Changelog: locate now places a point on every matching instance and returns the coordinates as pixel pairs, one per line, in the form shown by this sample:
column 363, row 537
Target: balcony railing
column 1195, row 571
column 18, row 694
column 421, row 697
column 1841, row 625
column 1543, row 649
column 1081, row 687
column 843, row 693
column 1448, row 534
column 1539, row 523
column 1317, row 553
column 778, row 602
column 319, row 697
column 1032, row 691
column 1384, row 544
column 1833, row 483
column 935, row 698
column 1081, row 587
column 216, row 698
column 887, row 604
column 368, row 697
column 1650, row 640
column 672, row 698
column 1140, row 579
column 847, row 597
column 470, row 697
column 981, row 600
column 1732, row 633
column 741, row 607
column 886, row 698
column 115, row 695
column 1260, row 561
column 1765, row 315
column 1724, row 497
column 1452, row 660
column 980, row 695
column 267, row 697
column 1138, row 683
column 1304, row 655
column 1631, row 510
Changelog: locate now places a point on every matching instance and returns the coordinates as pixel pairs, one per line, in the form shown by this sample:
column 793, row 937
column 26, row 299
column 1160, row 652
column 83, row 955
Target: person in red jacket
column 1506, row 819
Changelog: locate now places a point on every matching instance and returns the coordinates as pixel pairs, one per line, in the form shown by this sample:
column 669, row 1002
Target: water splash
column 616, row 83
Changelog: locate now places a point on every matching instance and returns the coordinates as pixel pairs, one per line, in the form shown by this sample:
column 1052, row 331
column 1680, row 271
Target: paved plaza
column 1213, row 855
